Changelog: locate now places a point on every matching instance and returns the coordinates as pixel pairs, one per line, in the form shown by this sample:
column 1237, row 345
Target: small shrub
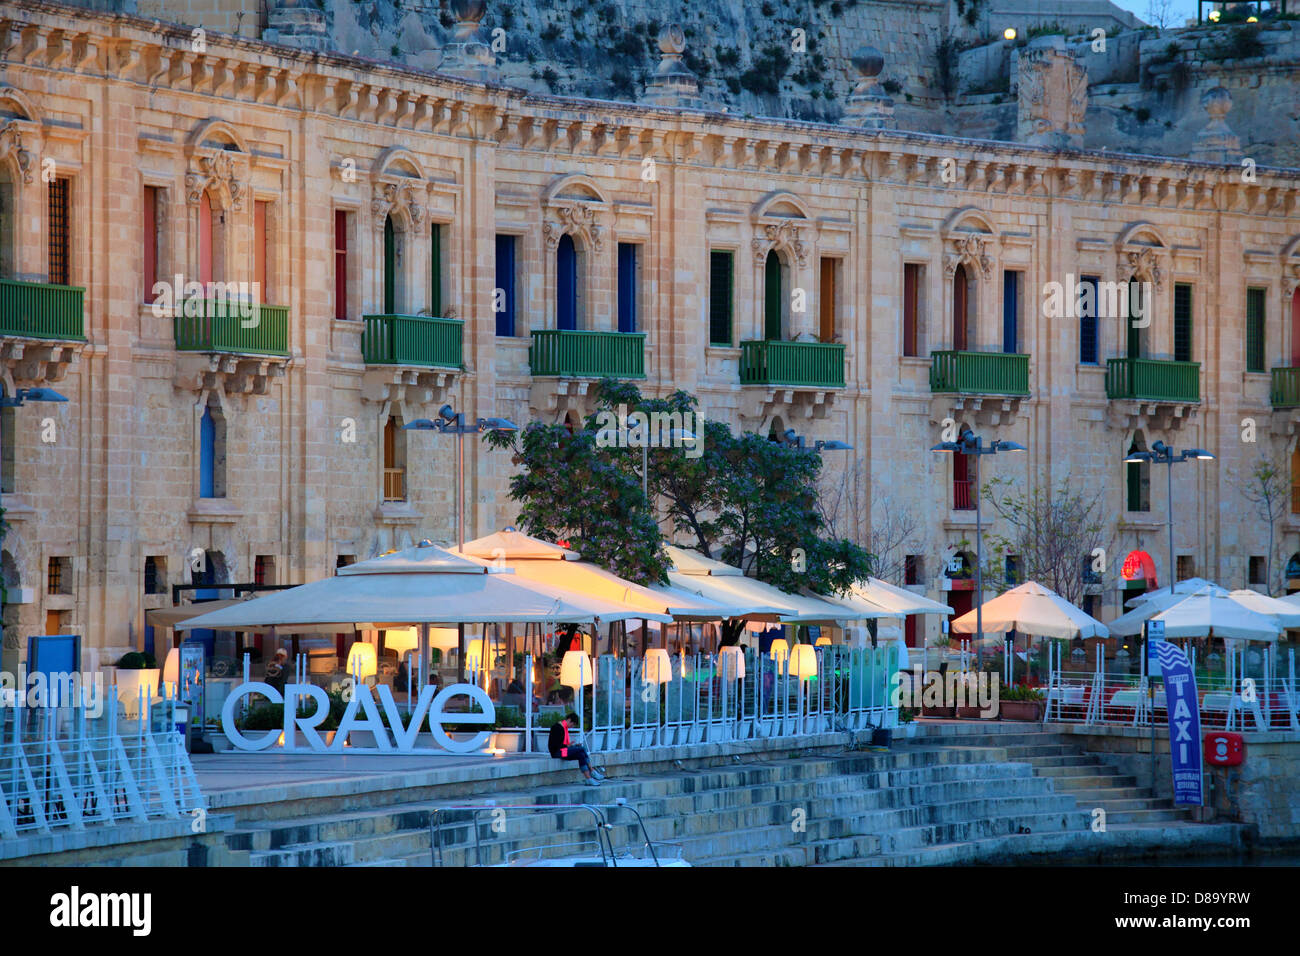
column 1142, row 114
column 727, row 57
column 892, row 87
column 768, row 10
column 551, row 33
column 550, row 77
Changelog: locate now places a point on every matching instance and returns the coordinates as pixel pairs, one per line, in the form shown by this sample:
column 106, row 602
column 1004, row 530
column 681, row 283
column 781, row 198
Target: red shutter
column 150, row 241
column 340, row 264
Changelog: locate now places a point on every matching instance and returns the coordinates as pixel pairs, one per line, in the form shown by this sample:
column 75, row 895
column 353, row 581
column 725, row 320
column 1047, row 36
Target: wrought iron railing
column 412, row 340
column 1153, row 380
column 812, row 364
column 41, row 310
column 979, row 373
column 583, row 354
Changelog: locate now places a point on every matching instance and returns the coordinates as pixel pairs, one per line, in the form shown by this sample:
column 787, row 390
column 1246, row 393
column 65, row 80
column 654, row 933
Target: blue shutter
column 506, row 282
column 1088, row 346
column 1010, row 309
column 626, row 287
column 566, row 285
column 207, row 455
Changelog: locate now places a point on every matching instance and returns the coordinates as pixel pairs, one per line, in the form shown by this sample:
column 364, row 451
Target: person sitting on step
column 562, row 747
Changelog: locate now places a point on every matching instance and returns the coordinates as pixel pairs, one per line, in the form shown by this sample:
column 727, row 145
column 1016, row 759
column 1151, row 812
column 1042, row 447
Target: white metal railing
column 62, row 769
column 1258, row 698
column 706, row 701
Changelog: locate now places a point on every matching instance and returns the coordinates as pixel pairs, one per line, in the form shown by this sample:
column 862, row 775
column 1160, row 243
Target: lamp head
column 422, row 425
column 834, row 445
column 447, row 413
column 1199, row 453
column 1008, row 446
column 497, row 424
column 1160, row 448
column 948, row 446
column 1137, row 457
column 789, row 436
column 39, row 395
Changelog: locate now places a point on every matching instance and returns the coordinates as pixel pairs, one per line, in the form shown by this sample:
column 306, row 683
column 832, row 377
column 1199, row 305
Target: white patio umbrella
column 1130, row 624
column 1032, row 609
column 896, row 601
column 1190, row 586
column 1283, row 613
column 1214, row 615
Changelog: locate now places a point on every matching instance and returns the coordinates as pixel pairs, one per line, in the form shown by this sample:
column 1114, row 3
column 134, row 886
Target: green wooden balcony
column 1284, row 391
column 1153, row 380
column 581, row 354
column 412, row 340
column 979, row 373
column 809, row 364
column 40, row 310
column 222, row 328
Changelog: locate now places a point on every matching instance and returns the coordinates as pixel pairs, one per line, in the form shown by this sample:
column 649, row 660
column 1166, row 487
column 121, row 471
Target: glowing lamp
column 362, row 660
column 401, row 639
column 779, row 651
column 444, row 638
column 731, row 663
column 1009, row 33
column 479, row 653
column 171, row 674
column 823, row 642
column 658, row 669
column 803, row 661
column 1214, row 15
column 575, row 669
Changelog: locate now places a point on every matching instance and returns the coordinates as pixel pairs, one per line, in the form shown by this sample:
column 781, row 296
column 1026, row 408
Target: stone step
column 312, row 854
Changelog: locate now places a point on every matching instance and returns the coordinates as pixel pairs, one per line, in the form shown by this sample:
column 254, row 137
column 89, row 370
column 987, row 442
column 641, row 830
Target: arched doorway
column 961, row 306
column 566, row 284
column 773, row 297
column 1295, row 328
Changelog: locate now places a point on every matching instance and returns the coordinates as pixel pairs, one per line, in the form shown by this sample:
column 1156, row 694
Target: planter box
column 969, row 713
column 945, row 712
column 511, row 740
column 1020, row 709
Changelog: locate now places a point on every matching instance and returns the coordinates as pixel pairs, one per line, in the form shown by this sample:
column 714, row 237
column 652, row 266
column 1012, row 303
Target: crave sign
column 362, row 714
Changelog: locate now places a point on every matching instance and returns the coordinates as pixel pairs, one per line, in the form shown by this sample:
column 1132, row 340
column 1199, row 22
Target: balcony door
column 1010, row 311
column 960, row 310
column 1136, row 340
column 1295, row 329
column 773, row 297
column 566, row 285
column 390, row 267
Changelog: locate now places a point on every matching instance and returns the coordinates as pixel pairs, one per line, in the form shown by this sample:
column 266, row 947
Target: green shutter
column 1254, row 330
column 721, row 295
column 1134, row 334
column 390, row 268
column 1134, row 487
column 772, row 299
column 1182, row 323
column 435, row 270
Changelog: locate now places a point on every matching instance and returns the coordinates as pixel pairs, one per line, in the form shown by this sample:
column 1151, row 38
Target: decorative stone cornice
column 214, row 168
column 578, row 219
column 972, row 250
column 11, row 145
column 782, row 235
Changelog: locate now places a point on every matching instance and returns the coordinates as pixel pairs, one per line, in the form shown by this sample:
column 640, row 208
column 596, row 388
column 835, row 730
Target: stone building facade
column 269, row 449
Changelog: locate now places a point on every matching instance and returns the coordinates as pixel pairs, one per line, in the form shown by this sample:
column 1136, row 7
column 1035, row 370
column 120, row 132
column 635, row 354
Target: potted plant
column 907, row 721
column 509, row 726
column 136, row 670
column 1019, row 702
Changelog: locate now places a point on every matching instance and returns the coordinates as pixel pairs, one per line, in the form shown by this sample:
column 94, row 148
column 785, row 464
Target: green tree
column 737, row 498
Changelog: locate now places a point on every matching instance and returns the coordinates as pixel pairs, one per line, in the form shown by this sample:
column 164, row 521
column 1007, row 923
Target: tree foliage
column 1058, row 535
column 737, row 498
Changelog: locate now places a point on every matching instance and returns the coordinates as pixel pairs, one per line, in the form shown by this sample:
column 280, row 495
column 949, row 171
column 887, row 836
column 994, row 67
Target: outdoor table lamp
column 479, row 652
column 658, row 669
column 779, row 651
column 362, row 660
column 171, row 674
column 444, row 638
column 823, row 642
column 575, row 669
column 803, row 661
column 731, row 662
column 401, row 639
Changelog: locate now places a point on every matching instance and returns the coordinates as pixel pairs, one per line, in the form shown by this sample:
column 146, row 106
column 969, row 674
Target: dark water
column 1289, row 858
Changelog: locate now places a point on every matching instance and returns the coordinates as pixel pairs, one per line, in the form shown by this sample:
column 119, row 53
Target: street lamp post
column 968, row 443
column 451, row 422
column 20, row 397
column 1162, row 454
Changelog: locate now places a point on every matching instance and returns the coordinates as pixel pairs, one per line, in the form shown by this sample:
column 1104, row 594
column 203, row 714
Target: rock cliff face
column 945, row 64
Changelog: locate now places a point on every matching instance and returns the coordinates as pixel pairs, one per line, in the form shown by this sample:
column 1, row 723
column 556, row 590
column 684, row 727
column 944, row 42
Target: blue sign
column 1184, row 712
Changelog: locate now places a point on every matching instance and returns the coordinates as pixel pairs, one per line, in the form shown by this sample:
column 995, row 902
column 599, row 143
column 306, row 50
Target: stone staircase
column 957, row 793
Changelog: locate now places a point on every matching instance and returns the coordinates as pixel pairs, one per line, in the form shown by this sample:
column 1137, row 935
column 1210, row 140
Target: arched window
column 1295, row 329
column 963, row 482
column 394, row 460
column 207, row 241
column 8, row 221
column 7, row 457
column 1137, row 482
column 566, row 284
column 961, row 309
column 390, row 267
column 212, row 452
column 773, row 297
